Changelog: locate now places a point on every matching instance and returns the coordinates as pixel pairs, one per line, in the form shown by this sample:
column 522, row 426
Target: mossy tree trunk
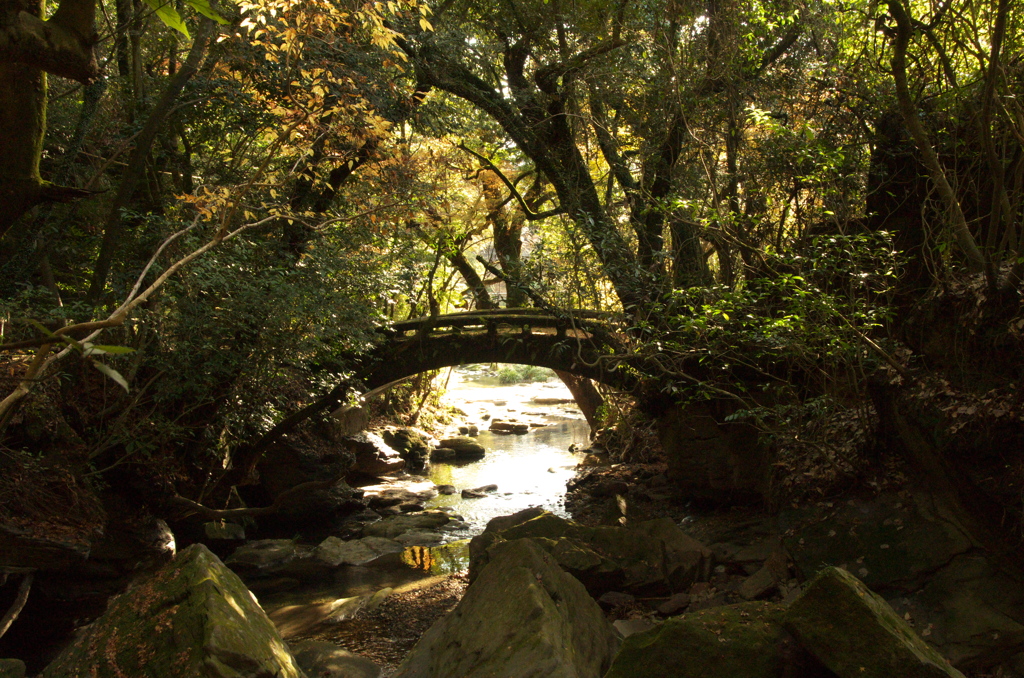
column 29, row 49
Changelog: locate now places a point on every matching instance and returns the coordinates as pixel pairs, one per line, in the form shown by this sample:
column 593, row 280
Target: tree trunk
column 689, row 266
column 912, row 119
column 22, row 125
column 508, row 245
column 587, row 397
column 896, row 190
column 544, row 133
column 473, row 281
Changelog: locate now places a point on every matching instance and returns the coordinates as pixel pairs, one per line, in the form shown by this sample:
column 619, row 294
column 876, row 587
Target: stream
column 529, row 469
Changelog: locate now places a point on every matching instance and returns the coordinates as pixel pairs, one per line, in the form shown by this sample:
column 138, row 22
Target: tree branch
column 279, row 503
column 136, row 165
column 246, row 458
column 532, row 216
column 547, row 76
column 19, row 603
column 534, row 297
column 780, row 48
column 908, row 109
column 62, row 45
column 606, row 142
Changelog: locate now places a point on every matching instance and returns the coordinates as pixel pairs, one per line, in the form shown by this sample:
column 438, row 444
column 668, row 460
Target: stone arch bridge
column 579, row 342
column 585, row 343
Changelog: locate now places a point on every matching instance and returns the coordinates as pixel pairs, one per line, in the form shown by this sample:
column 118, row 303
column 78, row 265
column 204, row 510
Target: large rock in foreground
column 650, row 558
column 736, row 641
column 523, row 617
column 914, row 552
column 193, row 618
column 857, row 635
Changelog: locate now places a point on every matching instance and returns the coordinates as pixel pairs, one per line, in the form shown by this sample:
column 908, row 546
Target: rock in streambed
column 523, row 617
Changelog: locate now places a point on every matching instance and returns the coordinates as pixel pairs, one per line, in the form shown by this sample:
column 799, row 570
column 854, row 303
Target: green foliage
column 515, row 374
column 727, row 148
column 815, row 314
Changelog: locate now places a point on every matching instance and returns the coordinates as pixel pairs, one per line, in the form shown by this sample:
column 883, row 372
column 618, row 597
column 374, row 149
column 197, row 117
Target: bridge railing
column 492, row 320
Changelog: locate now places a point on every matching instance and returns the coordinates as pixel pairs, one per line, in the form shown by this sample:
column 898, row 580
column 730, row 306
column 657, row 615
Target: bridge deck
column 569, row 324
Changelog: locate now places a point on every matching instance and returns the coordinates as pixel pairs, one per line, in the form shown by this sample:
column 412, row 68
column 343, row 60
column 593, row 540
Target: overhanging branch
column 282, row 500
column 530, row 214
column 547, row 77
column 62, row 46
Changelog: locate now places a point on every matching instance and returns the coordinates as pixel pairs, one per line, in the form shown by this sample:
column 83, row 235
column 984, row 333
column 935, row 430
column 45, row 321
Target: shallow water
column 529, row 469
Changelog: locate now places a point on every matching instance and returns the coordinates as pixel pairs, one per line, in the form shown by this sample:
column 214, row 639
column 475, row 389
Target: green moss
column 857, row 634
column 193, row 618
column 736, row 641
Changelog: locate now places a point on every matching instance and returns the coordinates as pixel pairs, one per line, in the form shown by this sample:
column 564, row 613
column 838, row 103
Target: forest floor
column 387, row 633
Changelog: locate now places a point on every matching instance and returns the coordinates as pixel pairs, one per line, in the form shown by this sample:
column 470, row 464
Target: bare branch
column 515, row 192
column 19, row 603
column 282, row 499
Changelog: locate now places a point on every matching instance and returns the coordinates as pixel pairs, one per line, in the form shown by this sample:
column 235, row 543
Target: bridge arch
column 579, row 342
column 583, row 343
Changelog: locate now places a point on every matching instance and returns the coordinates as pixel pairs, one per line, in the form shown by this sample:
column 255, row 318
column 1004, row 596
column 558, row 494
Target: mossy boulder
column 736, row 641
column 410, row 444
column 465, row 448
column 523, row 617
column 192, row 618
column 12, row 668
column 393, row 526
column 911, row 549
column 891, row 542
column 650, row 558
column 857, row 635
column 972, row 610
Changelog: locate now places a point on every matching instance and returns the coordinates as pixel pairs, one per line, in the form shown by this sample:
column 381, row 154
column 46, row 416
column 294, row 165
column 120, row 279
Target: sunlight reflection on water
column 529, row 470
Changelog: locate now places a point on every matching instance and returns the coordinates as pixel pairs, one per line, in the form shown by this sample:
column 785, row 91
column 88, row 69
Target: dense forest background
column 805, row 213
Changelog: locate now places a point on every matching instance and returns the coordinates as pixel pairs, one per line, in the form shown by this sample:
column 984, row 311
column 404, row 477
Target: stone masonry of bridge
column 579, row 342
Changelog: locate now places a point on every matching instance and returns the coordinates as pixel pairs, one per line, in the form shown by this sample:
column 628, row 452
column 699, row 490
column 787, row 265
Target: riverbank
column 386, row 633
column 648, row 557
column 894, row 541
